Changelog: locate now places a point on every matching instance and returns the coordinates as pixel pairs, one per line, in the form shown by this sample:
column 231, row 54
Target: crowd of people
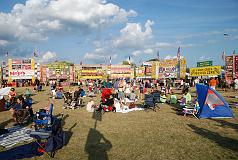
column 124, row 92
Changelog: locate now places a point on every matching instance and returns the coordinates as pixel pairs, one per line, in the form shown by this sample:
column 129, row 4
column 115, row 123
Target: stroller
column 150, row 102
column 68, row 98
column 70, row 102
column 106, row 102
column 48, row 132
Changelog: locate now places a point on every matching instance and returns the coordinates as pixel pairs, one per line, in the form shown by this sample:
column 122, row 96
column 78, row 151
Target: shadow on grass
column 21, row 152
column 176, row 107
column 226, row 124
column 97, row 145
column 224, row 142
column 69, row 133
column 35, row 102
column 5, row 123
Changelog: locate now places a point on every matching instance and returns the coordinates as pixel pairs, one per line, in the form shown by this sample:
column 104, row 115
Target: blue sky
column 93, row 30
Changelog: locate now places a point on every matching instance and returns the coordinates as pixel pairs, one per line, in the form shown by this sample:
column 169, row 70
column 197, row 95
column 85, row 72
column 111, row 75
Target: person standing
column 236, row 84
column 213, row 82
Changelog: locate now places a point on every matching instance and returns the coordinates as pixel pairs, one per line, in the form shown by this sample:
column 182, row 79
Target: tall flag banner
column 81, row 62
column 129, row 60
column 223, row 56
column 7, row 54
column 158, row 56
column 178, row 53
column 110, row 60
column 35, row 54
column 234, row 64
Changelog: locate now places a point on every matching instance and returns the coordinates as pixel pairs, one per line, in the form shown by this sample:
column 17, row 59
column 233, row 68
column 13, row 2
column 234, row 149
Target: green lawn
column 141, row 135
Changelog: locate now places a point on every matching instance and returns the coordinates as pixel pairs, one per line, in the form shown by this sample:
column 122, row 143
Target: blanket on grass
column 14, row 136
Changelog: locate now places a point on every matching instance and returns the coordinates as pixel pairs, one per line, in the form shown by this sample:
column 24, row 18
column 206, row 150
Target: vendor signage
column 205, row 71
column 204, row 64
column 21, row 74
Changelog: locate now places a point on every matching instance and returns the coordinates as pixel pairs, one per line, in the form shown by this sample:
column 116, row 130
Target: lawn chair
column 157, row 98
column 191, row 109
column 149, row 102
column 48, row 132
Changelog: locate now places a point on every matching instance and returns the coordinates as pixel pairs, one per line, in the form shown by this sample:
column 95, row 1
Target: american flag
column 178, row 53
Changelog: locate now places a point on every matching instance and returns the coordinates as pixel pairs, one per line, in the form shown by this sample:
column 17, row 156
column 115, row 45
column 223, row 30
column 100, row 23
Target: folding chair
column 48, row 132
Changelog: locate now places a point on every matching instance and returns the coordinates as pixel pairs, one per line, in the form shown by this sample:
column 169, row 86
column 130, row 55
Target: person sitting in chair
column 12, row 94
column 163, row 97
column 77, row 95
column 186, row 99
column 20, row 110
column 132, row 96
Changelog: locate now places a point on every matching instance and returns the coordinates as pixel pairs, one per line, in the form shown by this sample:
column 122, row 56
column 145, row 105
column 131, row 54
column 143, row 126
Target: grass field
column 141, row 135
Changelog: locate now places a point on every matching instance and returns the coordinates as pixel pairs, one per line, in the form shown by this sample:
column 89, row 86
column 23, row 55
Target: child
column 163, row 97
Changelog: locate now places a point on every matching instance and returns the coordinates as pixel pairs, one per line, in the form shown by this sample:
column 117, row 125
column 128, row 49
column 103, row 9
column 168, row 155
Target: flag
column 158, row 55
column 110, row 60
column 223, row 56
column 35, row 55
column 6, row 54
column 234, row 52
column 178, row 53
column 81, row 62
column 129, row 60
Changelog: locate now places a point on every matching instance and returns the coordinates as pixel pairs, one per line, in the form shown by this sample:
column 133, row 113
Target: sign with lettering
column 21, row 74
column 205, row 71
column 204, row 64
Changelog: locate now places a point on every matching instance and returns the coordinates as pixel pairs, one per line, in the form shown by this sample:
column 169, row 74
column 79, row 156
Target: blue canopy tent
column 212, row 104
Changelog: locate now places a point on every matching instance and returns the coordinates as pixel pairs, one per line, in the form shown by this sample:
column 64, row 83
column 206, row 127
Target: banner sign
column 147, row 64
column 204, row 64
column 229, row 68
column 21, row 74
column 205, row 71
column 169, row 68
column 236, row 66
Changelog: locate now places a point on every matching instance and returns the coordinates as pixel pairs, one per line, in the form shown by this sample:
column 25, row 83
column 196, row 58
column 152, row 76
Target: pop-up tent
column 211, row 103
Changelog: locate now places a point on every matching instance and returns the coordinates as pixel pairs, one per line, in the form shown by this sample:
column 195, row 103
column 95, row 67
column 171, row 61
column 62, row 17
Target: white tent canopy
column 5, row 91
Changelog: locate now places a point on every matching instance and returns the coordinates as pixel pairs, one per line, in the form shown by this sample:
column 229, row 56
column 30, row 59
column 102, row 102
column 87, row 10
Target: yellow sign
column 154, row 74
column 32, row 64
column 141, row 72
column 205, row 71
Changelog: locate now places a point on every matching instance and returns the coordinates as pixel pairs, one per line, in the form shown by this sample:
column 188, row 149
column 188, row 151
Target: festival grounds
column 140, row 135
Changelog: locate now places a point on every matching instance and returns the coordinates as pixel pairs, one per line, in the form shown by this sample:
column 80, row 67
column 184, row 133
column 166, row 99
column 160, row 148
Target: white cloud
column 99, row 56
column 134, row 36
column 204, row 58
column 3, row 42
column 148, row 51
column 34, row 20
column 136, row 53
column 48, row 56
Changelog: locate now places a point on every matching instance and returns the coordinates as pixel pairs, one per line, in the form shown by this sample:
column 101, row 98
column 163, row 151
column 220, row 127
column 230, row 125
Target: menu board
column 229, row 67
